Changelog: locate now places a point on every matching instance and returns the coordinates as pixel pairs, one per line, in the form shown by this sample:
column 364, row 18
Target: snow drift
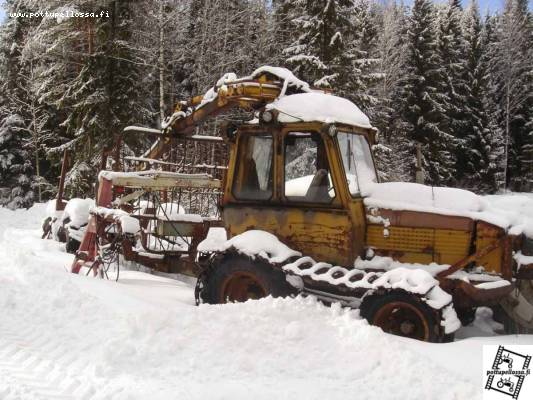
column 76, row 337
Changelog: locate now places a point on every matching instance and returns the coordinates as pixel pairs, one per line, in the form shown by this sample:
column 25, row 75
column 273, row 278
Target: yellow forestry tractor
column 289, row 202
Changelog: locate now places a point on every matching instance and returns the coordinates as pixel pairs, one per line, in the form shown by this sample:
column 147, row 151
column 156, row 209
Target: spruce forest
column 446, row 78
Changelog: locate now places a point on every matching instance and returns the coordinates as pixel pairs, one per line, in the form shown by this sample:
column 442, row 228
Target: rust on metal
column 469, row 259
column 241, row 286
column 467, row 295
column 402, row 319
column 418, row 219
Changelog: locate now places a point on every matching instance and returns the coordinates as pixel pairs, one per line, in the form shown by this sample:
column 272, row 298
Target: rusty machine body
column 297, row 179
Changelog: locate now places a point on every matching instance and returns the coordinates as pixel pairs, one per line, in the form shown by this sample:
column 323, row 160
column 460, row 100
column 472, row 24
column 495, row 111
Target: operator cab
column 303, row 181
column 307, row 156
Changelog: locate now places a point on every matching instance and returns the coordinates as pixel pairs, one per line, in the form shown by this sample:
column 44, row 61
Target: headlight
column 267, row 116
column 527, row 246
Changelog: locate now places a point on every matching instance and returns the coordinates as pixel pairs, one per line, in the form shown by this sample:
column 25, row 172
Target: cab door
column 312, row 218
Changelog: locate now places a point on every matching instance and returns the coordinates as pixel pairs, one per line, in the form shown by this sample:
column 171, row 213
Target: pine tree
column 511, row 64
column 475, row 166
column 17, row 180
column 392, row 156
column 102, row 89
column 16, row 171
column 361, row 73
column 319, row 54
column 284, row 14
column 522, row 179
column 451, row 48
column 426, row 105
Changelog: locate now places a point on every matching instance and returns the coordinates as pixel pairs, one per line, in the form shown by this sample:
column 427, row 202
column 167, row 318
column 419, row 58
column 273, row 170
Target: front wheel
column 237, row 278
column 402, row 314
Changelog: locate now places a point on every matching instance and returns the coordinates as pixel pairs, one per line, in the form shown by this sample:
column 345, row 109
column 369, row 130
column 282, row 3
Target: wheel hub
column 242, row 286
column 403, row 319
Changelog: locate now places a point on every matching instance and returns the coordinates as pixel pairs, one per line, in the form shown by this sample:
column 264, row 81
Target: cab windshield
column 357, row 161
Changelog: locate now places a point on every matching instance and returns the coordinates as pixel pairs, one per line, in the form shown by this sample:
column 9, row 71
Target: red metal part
column 88, row 248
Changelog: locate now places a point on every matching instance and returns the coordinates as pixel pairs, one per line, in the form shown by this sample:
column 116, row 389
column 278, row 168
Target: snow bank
column 319, row 107
column 142, row 337
column 51, row 209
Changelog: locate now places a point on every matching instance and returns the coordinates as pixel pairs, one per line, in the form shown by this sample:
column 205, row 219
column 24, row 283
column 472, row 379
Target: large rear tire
column 238, row 278
column 402, row 314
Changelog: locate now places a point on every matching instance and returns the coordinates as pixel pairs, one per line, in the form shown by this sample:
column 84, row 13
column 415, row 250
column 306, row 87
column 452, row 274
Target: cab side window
column 253, row 175
column 306, row 168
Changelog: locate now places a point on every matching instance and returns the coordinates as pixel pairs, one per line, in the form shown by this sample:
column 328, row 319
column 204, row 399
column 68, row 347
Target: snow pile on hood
column 253, row 243
column 502, row 212
column 319, row 107
column 517, row 208
column 422, row 196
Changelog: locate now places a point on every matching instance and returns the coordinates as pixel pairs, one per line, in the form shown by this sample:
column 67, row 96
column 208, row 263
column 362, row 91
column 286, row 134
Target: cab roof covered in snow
column 319, row 107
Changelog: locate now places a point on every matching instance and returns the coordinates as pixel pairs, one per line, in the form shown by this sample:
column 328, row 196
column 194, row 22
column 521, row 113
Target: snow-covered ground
column 66, row 336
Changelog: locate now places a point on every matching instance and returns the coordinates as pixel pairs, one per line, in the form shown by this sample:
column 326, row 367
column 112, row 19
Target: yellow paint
column 487, row 234
column 324, row 234
column 443, row 246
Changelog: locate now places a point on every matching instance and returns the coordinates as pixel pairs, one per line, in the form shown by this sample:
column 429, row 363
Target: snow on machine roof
column 319, row 107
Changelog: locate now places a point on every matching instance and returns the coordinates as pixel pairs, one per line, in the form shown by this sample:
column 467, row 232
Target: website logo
column 506, row 377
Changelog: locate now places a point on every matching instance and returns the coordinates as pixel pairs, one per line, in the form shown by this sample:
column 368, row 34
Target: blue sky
column 484, row 5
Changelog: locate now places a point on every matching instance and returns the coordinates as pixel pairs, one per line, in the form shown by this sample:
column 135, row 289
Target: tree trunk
column 506, row 146
column 161, row 62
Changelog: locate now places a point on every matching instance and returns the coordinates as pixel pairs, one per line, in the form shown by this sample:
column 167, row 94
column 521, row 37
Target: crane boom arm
column 264, row 86
column 250, row 94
